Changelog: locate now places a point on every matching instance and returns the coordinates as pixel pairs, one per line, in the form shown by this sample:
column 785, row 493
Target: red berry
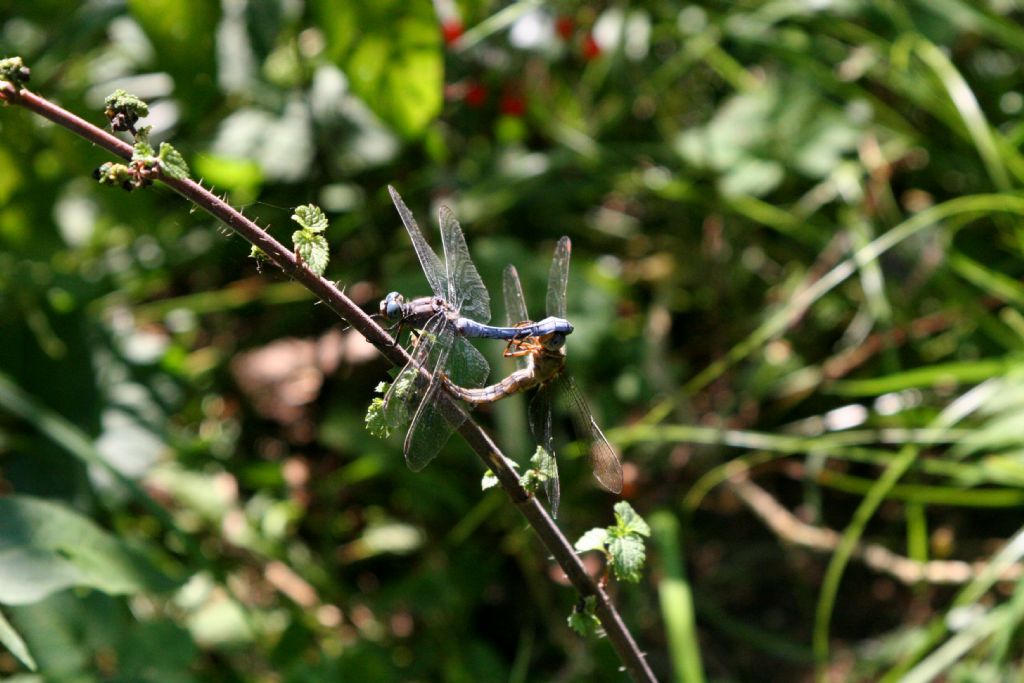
column 564, row 26
column 476, row 95
column 451, row 29
column 512, row 105
column 590, row 49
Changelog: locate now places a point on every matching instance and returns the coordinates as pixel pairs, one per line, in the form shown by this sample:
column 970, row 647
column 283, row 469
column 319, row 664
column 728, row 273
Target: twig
column 489, row 453
column 788, row 527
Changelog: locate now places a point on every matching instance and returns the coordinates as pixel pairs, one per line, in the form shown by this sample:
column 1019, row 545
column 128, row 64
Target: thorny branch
column 479, row 440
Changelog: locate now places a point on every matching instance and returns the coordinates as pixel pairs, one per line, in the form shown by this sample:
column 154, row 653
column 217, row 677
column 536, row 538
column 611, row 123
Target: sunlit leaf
column 594, row 539
column 627, row 555
column 391, row 52
column 172, row 163
column 583, row 620
column 312, row 249
column 45, row 547
column 311, row 217
column 629, row 521
column 14, row 643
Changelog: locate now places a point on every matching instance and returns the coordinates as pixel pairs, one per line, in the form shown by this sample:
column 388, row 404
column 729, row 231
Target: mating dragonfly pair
column 460, row 308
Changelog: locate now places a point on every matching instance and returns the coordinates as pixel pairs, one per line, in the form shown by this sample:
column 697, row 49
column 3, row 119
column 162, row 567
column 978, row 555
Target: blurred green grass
column 797, row 249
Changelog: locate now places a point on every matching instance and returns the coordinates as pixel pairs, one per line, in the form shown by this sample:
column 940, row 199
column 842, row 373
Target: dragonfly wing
column 515, row 302
column 429, row 260
column 466, row 366
column 604, row 460
column 432, row 423
column 540, row 426
column 407, row 388
column 558, row 278
column 466, row 290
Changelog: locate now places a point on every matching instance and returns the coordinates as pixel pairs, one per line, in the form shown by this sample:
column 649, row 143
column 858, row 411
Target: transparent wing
column 429, row 429
column 466, row 366
column 540, row 426
column 558, row 278
column 436, row 417
column 603, row 458
column 404, row 393
column 515, row 302
column 429, row 260
column 466, row 290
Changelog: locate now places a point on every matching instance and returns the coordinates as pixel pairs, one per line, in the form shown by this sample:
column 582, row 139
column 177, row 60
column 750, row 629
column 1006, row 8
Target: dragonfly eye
column 391, row 306
column 554, row 341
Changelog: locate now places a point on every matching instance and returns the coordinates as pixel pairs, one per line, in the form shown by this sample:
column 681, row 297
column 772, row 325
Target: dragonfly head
column 391, row 306
column 555, row 341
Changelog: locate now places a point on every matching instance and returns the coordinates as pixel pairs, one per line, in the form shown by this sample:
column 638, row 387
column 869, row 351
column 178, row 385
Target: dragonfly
column 459, row 308
column 542, row 365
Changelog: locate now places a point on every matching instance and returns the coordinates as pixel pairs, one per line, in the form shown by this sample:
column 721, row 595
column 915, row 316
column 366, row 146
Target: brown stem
column 550, row 535
column 791, row 529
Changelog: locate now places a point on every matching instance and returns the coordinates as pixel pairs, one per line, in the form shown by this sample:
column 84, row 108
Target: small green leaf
column 311, row 217
column 47, row 547
column 595, row 539
column 627, row 555
column 172, row 163
column 544, row 463
column 583, row 620
column 376, row 422
column 489, row 481
column 14, row 71
column 383, row 419
column 123, row 102
column 629, row 521
column 531, row 480
column 110, row 173
column 312, row 249
column 14, row 643
column 142, row 151
column 405, row 383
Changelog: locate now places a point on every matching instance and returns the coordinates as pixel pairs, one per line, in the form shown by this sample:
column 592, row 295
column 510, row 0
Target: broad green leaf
column 45, row 547
column 312, row 249
column 13, row 641
column 392, row 54
column 627, row 556
column 629, row 521
column 594, row 539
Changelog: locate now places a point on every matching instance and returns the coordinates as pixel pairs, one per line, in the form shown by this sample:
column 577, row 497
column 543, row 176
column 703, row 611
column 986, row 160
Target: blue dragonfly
column 459, row 308
column 541, row 361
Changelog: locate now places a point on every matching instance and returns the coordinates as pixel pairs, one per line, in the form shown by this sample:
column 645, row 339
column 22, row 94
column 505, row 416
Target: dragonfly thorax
column 547, row 362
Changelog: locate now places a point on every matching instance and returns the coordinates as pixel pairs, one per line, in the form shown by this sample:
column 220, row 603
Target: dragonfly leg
column 522, row 347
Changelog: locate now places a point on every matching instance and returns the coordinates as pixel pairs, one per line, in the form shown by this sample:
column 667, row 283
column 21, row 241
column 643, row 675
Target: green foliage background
column 797, row 246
